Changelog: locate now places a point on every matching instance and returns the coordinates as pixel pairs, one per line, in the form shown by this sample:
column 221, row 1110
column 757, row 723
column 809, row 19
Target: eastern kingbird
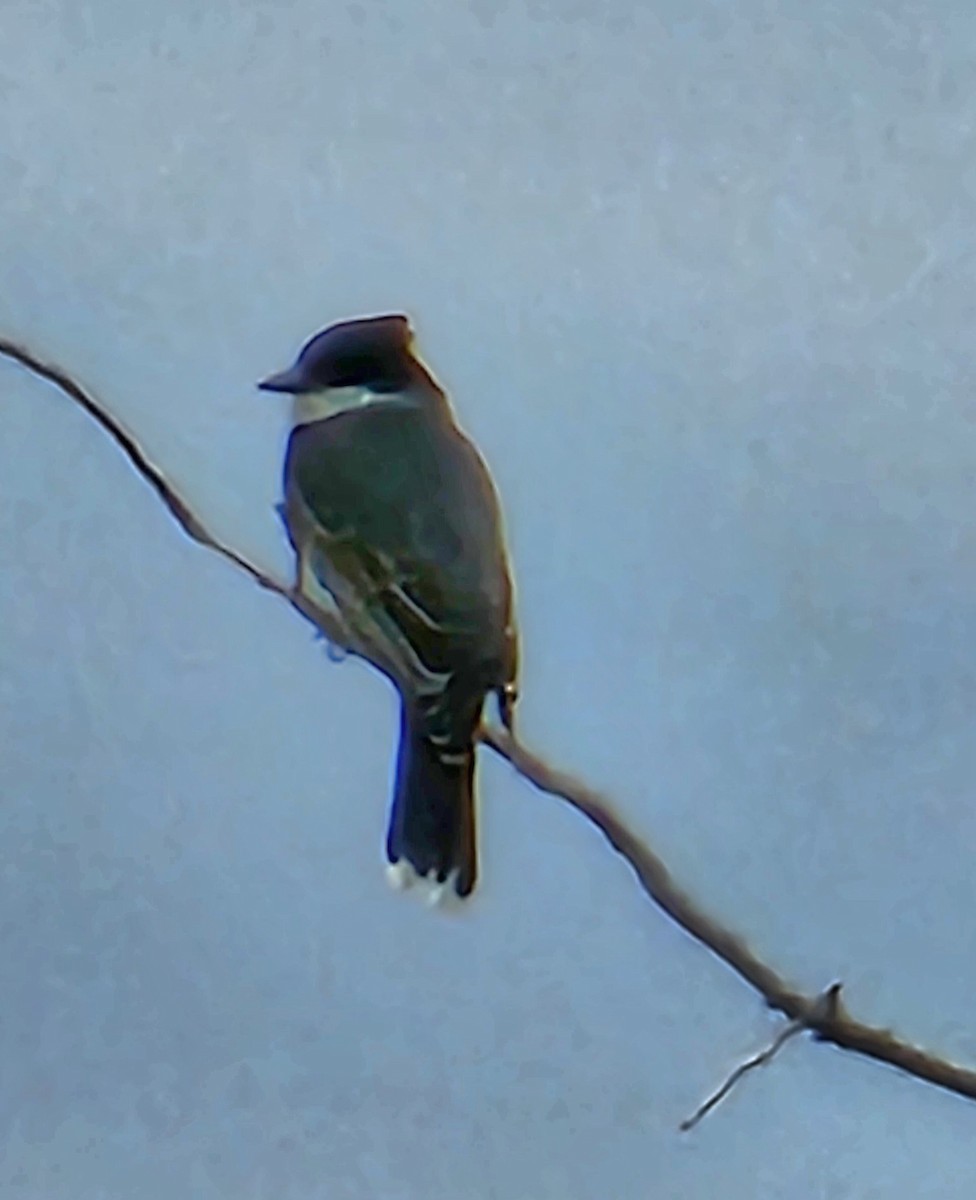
column 396, row 529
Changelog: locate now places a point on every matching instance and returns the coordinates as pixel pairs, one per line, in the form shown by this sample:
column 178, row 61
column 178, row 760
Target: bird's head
column 370, row 353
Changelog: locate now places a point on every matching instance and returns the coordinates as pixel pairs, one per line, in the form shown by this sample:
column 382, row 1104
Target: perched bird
column 396, row 529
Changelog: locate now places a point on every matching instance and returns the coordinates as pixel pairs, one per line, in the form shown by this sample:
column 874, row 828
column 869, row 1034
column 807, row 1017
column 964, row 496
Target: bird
column 398, row 534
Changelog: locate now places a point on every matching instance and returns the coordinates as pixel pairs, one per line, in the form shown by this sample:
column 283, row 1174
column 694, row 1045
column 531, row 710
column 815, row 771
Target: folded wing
column 395, row 513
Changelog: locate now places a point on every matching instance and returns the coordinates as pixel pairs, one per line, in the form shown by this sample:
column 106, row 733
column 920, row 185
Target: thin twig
column 824, row 1008
column 823, row 1015
column 757, row 1060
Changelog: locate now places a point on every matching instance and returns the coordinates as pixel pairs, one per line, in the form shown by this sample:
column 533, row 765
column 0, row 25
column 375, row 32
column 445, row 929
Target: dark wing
column 408, row 510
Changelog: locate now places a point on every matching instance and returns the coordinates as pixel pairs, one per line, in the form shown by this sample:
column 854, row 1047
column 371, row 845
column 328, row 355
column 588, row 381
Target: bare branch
column 824, row 1016
column 181, row 512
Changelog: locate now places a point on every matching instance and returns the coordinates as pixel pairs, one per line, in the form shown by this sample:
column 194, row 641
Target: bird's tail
column 432, row 820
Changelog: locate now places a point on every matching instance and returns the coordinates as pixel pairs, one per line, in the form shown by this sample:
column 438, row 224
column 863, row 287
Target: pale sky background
column 700, row 278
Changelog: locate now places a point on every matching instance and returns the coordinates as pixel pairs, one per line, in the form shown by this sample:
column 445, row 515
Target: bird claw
column 335, row 652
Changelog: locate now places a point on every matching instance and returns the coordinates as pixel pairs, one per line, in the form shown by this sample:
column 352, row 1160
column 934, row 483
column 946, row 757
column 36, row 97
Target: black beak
column 285, row 381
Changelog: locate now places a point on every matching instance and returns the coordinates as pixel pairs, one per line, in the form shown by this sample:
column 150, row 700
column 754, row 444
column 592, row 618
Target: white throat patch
column 319, row 406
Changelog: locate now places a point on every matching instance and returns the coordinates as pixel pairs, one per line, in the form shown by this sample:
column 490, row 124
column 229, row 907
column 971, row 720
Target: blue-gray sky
column 700, row 280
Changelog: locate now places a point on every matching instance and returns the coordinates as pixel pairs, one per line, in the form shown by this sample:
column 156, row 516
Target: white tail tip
column 443, row 896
